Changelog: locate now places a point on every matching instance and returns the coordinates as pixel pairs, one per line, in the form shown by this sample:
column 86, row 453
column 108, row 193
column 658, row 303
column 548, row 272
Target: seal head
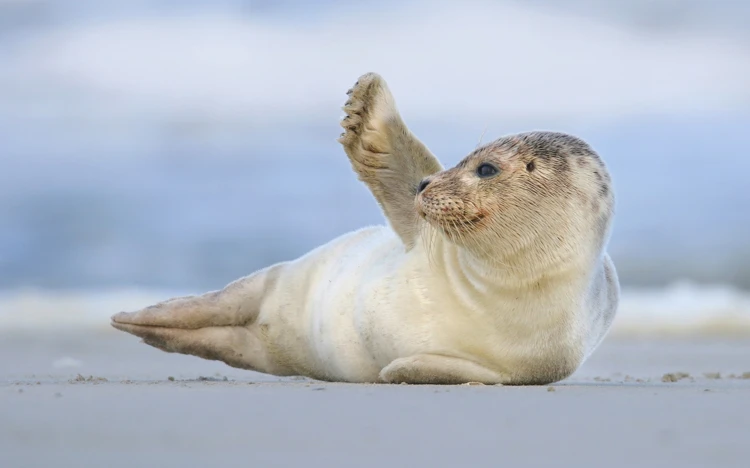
column 535, row 200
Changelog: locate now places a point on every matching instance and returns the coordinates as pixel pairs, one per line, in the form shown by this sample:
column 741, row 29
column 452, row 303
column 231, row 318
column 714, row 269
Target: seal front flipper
column 385, row 154
column 439, row 370
column 219, row 325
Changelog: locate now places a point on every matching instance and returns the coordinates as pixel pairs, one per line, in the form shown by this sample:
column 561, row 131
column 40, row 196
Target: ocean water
column 148, row 147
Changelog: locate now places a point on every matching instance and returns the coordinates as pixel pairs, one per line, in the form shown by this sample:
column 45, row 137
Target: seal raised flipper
column 219, row 325
column 385, row 154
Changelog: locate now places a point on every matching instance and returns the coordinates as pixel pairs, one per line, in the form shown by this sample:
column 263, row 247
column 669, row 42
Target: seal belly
column 337, row 290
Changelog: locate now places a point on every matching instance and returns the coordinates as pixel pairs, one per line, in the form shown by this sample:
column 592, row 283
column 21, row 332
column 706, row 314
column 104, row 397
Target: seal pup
column 493, row 271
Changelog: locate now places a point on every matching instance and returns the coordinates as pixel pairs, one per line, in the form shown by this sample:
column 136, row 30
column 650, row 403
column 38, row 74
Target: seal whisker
column 428, row 236
column 481, row 136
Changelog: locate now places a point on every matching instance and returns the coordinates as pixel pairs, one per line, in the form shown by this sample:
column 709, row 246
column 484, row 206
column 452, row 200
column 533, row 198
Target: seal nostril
column 423, row 185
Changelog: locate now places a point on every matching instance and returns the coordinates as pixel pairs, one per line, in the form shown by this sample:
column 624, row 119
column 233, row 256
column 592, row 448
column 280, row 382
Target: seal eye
column 530, row 166
column 487, row 170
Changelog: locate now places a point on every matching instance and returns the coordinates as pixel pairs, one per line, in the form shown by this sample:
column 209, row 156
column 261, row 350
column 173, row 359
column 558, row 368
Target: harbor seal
column 494, row 271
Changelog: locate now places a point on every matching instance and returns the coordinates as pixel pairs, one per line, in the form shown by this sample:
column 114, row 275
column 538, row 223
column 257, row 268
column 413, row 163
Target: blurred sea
column 151, row 148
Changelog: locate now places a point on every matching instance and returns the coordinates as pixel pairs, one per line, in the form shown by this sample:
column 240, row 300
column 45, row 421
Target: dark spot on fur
column 562, row 164
column 595, row 207
column 603, row 189
column 607, row 273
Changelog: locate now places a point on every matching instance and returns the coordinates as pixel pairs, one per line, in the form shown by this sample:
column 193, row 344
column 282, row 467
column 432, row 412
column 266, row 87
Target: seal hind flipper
column 219, row 325
column 385, row 154
column 237, row 346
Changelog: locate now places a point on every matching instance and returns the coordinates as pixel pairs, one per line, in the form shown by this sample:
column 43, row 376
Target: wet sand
column 104, row 399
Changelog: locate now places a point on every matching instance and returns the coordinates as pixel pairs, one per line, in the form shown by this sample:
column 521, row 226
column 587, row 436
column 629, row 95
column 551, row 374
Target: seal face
column 536, row 191
column 492, row 271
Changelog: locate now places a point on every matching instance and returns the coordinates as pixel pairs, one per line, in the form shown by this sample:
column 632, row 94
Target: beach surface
column 102, row 398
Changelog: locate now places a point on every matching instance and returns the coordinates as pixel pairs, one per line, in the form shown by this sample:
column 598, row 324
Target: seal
column 493, row 271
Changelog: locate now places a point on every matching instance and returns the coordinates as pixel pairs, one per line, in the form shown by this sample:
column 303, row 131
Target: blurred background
column 159, row 147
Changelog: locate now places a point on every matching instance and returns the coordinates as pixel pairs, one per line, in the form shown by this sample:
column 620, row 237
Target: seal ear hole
column 530, row 166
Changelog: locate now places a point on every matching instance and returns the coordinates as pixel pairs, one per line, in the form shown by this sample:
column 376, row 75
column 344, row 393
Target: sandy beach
column 102, row 398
